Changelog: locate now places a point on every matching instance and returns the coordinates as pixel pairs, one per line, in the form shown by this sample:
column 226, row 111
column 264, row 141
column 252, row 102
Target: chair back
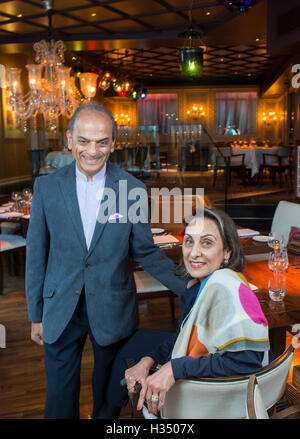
column 224, row 398
column 255, row 405
column 237, row 160
column 283, row 151
column 286, row 215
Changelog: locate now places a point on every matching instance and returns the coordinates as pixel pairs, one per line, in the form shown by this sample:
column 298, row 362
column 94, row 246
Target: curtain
column 158, row 110
column 236, row 113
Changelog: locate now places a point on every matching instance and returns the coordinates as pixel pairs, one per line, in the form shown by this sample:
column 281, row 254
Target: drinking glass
column 278, row 260
column 16, row 197
column 277, row 286
column 275, row 240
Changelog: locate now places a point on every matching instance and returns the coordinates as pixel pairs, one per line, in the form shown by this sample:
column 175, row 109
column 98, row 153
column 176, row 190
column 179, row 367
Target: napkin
column 165, row 239
column 244, row 233
column 253, row 287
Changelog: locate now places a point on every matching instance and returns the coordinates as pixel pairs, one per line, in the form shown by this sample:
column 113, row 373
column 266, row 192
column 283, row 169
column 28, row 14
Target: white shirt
column 89, row 195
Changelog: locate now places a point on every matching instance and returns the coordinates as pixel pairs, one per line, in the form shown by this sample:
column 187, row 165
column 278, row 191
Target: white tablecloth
column 58, row 159
column 254, row 156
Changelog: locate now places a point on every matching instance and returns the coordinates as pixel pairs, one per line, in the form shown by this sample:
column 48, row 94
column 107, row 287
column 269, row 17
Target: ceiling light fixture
column 191, row 55
column 52, row 91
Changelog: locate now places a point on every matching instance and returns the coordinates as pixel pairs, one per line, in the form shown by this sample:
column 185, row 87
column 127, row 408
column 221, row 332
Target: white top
column 89, row 195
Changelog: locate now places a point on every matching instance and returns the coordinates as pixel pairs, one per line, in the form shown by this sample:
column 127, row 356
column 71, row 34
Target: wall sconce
column 270, row 117
column 122, row 119
column 195, row 112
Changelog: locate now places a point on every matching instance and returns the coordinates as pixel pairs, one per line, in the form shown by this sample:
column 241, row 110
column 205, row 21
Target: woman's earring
column 225, row 262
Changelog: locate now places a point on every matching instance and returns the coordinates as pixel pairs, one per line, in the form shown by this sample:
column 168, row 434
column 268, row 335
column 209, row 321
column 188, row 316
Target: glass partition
column 188, row 157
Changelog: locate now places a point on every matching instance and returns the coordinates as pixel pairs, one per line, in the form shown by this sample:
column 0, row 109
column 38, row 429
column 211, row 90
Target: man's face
column 91, row 142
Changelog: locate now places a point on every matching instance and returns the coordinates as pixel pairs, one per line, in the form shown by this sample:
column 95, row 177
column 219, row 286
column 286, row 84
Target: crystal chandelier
column 52, row 91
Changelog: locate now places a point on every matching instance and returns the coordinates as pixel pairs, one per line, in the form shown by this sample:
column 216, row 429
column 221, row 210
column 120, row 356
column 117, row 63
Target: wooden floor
column 22, row 378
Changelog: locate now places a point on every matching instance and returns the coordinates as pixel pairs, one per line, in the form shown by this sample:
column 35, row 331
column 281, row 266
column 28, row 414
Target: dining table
column 254, row 156
column 281, row 316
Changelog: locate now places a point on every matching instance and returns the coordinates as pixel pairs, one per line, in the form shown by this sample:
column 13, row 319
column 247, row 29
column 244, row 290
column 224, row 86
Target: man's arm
column 153, row 259
column 37, row 245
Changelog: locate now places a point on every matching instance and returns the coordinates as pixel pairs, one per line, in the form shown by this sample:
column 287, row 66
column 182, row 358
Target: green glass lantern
column 191, row 55
column 191, row 61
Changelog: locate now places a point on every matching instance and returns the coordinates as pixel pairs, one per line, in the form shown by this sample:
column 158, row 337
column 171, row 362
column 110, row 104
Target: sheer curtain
column 158, row 109
column 236, row 113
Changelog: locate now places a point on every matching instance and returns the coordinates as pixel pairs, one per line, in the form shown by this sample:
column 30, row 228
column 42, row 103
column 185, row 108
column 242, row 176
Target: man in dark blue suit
column 79, row 277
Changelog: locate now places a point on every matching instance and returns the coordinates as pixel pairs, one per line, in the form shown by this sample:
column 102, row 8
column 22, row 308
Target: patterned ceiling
column 141, row 36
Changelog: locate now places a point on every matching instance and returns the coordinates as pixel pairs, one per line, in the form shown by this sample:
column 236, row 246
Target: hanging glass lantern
column 191, row 61
column 242, row 5
column 191, row 55
column 117, row 86
column 88, row 84
column 105, row 81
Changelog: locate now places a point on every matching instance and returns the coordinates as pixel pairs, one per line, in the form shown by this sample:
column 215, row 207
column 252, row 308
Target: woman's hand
column 156, row 386
column 138, row 373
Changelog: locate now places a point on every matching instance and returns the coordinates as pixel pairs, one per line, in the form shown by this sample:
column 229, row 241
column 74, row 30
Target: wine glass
column 275, row 240
column 16, row 197
column 27, row 194
column 278, row 260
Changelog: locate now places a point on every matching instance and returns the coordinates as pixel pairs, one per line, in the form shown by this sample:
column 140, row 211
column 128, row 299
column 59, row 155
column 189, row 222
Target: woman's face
column 203, row 251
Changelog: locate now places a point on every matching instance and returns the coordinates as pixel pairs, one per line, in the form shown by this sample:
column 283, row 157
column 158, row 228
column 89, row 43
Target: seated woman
column 223, row 330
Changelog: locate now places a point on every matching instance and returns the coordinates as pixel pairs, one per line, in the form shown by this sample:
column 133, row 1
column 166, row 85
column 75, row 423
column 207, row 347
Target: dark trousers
column 62, row 364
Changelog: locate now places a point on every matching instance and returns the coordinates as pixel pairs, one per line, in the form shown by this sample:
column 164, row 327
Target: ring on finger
column 154, row 398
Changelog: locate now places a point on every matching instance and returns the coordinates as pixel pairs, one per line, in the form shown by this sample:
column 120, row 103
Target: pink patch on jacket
column 251, row 305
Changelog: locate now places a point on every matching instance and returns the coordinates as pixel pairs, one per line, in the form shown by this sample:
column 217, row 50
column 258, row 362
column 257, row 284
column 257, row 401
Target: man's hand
column 156, row 385
column 37, row 333
column 138, row 373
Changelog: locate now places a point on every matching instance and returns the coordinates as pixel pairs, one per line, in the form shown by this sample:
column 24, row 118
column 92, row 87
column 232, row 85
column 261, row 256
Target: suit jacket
column 58, row 263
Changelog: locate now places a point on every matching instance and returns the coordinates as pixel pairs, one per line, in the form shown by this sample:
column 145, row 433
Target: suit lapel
column 111, row 182
column 67, row 183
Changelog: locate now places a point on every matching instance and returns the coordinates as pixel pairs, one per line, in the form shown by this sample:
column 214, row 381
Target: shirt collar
column 96, row 178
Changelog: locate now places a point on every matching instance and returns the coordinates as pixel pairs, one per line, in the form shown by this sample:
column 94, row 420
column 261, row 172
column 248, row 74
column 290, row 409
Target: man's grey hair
column 93, row 106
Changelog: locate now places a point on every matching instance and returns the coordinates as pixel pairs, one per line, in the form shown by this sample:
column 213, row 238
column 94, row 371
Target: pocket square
column 115, row 216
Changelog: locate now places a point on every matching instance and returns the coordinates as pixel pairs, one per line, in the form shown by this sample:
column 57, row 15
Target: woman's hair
column 229, row 235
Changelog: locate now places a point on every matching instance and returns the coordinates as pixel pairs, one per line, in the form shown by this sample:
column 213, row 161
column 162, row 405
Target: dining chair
column 287, row 214
column 256, row 408
column 230, row 163
column 149, row 288
column 10, row 244
column 224, row 398
column 280, row 163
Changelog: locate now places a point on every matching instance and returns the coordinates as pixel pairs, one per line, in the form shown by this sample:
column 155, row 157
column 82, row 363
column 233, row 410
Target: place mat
column 244, row 233
column 165, row 239
column 4, row 245
column 156, row 231
column 10, row 215
column 262, row 238
column 256, row 249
